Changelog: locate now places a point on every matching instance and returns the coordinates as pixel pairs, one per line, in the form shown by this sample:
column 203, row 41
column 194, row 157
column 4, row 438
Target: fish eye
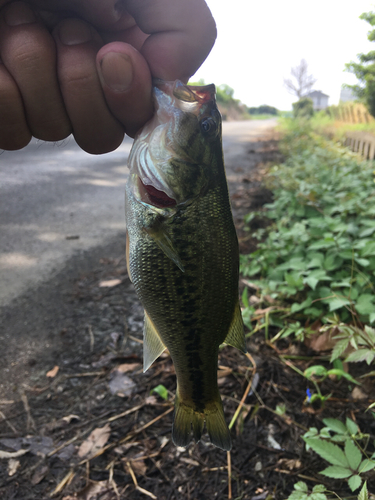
column 208, row 126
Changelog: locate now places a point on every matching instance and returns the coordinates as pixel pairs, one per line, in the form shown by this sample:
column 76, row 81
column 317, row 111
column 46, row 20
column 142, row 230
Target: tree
column 303, row 108
column 364, row 70
column 302, row 82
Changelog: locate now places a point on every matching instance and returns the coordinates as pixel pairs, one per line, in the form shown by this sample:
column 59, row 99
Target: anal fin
column 236, row 336
column 152, row 343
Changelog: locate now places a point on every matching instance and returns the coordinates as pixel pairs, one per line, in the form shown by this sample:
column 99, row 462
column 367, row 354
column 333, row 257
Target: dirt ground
column 80, row 420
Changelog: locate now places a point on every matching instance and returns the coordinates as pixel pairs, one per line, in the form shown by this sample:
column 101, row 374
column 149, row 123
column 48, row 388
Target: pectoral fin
column 236, row 337
column 152, row 344
column 163, row 241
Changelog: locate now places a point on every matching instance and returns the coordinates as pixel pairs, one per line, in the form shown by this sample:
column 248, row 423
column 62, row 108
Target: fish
column 182, row 252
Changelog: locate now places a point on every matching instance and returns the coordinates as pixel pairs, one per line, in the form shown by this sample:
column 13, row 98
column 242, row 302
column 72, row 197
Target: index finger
column 182, row 34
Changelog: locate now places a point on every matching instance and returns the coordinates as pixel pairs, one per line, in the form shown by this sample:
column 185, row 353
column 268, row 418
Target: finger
column 181, row 35
column 103, row 14
column 127, row 85
column 94, row 127
column 28, row 53
column 14, row 131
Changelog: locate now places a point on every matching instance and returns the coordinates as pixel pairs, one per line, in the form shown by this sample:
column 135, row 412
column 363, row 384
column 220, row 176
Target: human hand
column 85, row 66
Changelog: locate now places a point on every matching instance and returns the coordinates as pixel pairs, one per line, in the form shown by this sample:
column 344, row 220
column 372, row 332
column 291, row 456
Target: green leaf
column 161, row 390
column 298, row 306
column 335, row 425
column 359, row 355
column 351, row 426
column 319, row 488
column 363, row 494
column 368, row 249
column 318, row 496
column 336, row 471
column 298, row 495
column 342, row 373
column 315, row 370
column 329, row 451
column 353, row 454
column 366, row 465
column 365, row 304
column 337, row 303
column 301, row 486
column 313, row 278
column 354, row 482
column 339, row 348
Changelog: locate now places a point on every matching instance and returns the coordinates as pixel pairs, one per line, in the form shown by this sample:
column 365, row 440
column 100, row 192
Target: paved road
column 56, row 200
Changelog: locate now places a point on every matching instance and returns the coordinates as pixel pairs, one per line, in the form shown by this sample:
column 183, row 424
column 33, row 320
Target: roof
column 316, row 93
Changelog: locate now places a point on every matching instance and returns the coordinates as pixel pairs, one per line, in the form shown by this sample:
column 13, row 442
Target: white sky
column 259, row 41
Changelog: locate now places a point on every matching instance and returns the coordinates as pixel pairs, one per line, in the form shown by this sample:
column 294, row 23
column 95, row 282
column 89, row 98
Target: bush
column 303, row 108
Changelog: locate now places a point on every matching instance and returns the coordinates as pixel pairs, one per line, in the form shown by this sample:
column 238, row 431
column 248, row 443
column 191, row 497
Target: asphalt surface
column 57, row 201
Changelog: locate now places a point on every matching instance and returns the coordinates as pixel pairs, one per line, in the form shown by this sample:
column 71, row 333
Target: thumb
column 127, row 85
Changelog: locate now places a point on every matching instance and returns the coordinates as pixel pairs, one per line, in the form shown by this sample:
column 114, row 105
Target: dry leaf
column 121, row 384
column 96, row 440
column 139, row 467
column 127, row 367
column 13, row 466
column 357, row 393
column 52, row 373
column 93, row 491
column 109, row 283
column 39, row 475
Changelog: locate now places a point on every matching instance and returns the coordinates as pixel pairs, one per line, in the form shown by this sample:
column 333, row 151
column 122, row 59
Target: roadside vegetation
column 233, row 109
column 311, row 282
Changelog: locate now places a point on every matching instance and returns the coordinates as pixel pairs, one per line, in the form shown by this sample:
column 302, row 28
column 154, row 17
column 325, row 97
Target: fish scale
column 183, row 262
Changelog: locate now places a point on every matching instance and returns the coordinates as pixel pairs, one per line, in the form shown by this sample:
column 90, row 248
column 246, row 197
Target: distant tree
column 303, row 108
column 264, row 109
column 302, row 82
column 364, row 70
column 224, row 93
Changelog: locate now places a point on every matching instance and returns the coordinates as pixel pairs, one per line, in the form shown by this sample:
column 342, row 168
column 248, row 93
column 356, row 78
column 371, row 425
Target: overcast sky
column 259, row 41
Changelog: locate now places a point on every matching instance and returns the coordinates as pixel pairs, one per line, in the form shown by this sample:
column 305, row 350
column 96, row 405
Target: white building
column 320, row 100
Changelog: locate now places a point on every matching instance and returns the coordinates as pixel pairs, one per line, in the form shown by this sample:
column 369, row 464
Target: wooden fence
column 351, row 112
column 362, row 143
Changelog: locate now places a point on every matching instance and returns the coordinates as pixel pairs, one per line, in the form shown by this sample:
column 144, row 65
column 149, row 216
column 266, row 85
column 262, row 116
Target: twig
column 8, row 423
column 134, row 339
column 142, row 490
column 229, row 475
column 59, row 448
column 127, row 412
column 30, row 421
column 111, row 466
column 242, row 402
column 64, row 482
column 137, row 431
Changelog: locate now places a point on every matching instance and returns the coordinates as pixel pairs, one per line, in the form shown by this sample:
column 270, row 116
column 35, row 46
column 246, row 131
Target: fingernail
column 19, row 13
column 116, row 71
column 74, row 32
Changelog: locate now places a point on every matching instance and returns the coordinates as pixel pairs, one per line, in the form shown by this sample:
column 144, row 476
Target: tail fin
column 186, row 419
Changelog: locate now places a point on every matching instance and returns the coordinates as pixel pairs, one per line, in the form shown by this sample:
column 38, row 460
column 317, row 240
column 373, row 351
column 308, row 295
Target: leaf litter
column 101, row 433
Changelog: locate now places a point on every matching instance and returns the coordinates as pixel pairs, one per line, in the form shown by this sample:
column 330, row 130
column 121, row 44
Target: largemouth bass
column 182, row 252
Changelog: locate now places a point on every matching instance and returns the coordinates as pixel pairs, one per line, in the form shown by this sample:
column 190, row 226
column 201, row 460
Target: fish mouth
column 152, row 196
column 190, row 96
